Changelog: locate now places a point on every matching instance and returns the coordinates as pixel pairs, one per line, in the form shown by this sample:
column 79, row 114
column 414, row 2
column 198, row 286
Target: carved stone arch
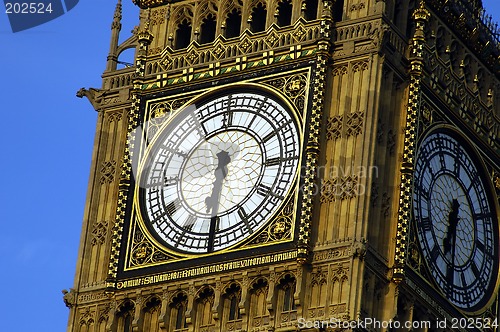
column 318, row 277
column 231, row 18
column 151, row 313
column 86, row 320
column 125, row 315
column 203, row 9
column 206, row 17
column 258, row 313
column 181, row 13
column 230, row 310
column 441, row 40
column 339, row 274
column 151, row 301
column 229, row 5
column 259, row 283
column 203, row 291
column 176, row 311
column 286, row 286
column 127, row 44
column 229, row 285
column 339, row 284
column 255, row 23
column 318, row 289
column 181, row 26
column 204, row 302
column 283, row 12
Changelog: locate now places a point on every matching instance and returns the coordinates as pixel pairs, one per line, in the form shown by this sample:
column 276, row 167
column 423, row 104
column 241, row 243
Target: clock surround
column 224, row 167
column 456, row 219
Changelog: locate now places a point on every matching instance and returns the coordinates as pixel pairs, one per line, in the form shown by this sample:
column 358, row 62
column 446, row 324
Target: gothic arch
column 176, row 311
column 232, row 14
column 182, row 26
column 125, row 316
column 151, row 312
column 285, row 299
column 231, row 297
column 258, row 313
column 284, row 12
column 318, row 290
column 258, row 16
column 204, row 302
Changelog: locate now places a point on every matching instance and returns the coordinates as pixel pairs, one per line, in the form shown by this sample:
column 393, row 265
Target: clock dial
column 219, row 171
column 456, row 223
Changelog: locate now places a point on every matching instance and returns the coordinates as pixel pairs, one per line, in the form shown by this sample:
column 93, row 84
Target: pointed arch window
column 204, row 304
column 258, row 310
column 125, row 316
column 286, row 291
column 233, row 24
column 310, row 9
column 232, row 297
column 258, row 18
column 208, row 29
column 183, row 34
column 177, row 317
column 284, row 13
column 151, row 315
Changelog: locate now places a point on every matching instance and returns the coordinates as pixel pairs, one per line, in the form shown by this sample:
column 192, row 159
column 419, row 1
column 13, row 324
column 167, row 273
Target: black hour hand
column 212, row 201
column 452, row 226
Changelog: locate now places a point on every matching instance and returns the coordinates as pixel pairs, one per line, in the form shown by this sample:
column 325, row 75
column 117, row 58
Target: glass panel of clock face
column 454, row 220
column 219, row 171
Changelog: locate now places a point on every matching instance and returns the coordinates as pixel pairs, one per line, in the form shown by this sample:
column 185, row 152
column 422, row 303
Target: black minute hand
column 212, row 201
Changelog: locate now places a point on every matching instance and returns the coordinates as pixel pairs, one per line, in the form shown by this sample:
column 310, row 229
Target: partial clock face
column 219, row 171
column 456, row 223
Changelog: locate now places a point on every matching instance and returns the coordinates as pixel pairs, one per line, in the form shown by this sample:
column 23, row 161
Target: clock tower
column 285, row 165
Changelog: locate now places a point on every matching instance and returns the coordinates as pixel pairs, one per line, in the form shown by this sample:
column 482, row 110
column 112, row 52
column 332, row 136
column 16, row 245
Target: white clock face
column 219, row 171
column 456, row 224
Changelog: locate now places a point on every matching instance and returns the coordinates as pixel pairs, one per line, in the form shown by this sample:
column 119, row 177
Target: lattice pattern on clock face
column 219, row 171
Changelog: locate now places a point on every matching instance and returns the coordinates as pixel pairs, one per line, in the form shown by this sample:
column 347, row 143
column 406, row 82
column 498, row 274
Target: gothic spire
column 116, row 26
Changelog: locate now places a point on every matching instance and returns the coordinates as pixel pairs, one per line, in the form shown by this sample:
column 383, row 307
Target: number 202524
column 28, row 8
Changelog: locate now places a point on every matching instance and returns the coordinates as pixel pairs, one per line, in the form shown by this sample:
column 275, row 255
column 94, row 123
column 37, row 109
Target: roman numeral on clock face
column 173, row 206
column 263, row 190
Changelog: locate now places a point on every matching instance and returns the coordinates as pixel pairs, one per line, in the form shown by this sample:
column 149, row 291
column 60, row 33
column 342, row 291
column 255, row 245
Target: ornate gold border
column 285, row 86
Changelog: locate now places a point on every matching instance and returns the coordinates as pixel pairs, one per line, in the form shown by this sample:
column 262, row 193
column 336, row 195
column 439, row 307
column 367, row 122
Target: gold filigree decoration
column 192, row 57
column 299, row 33
column 143, row 252
column 218, row 50
column 334, row 127
column 245, row 45
column 340, row 188
column 161, row 112
column 280, row 228
column 272, row 39
column 99, row 232
column 354, row 123
column 293, row 86
column 108, row 169
column 157, row 16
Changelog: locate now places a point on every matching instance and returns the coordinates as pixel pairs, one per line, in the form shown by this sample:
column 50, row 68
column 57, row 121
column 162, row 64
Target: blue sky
column 48, row 135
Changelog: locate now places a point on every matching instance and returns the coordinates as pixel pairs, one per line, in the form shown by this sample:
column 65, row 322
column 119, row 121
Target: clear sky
column 48, row 135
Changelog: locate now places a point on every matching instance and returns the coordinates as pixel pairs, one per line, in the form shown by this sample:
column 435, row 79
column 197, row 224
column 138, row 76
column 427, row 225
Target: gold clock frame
column 142, row 251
